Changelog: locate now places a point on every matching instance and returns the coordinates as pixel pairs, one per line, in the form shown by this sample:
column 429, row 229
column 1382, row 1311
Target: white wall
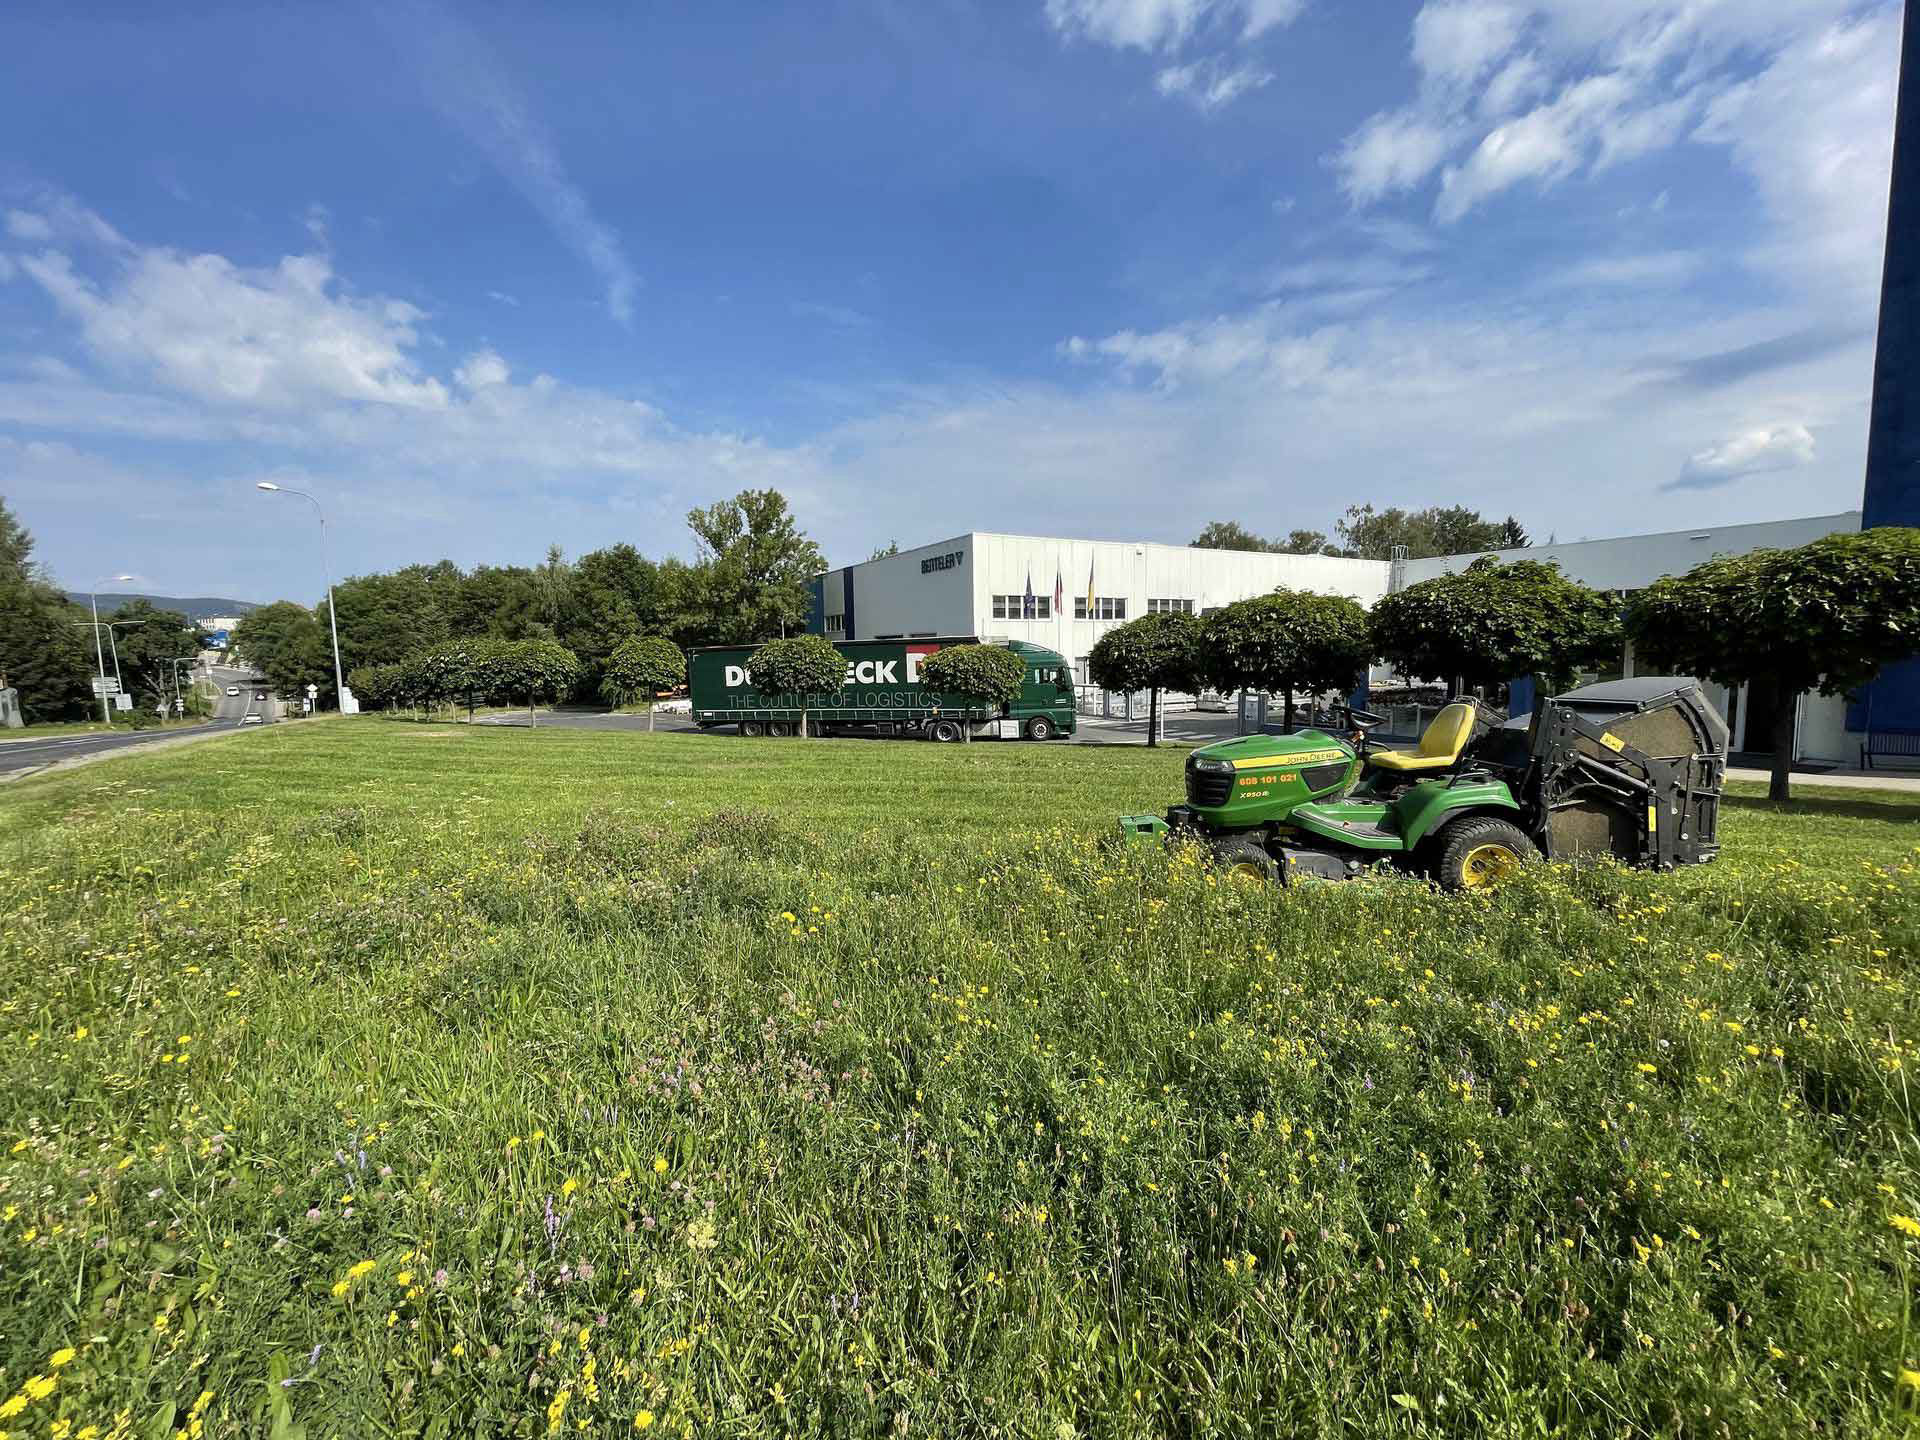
column 1139, row 572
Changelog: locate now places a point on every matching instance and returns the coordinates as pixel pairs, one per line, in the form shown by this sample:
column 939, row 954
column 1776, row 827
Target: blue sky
column 486, row 277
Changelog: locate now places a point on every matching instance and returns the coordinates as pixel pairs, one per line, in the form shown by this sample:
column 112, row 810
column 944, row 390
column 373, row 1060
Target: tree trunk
column 533, row 720
column 803, row 724
column 652, row 710
column 1153, row 716
column 1287, row 713
column 1777, row 785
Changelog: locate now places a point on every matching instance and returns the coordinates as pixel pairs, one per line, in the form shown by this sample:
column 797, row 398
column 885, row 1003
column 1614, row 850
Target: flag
column 1028, row 608
column 1089, row 589
column 1059, row 591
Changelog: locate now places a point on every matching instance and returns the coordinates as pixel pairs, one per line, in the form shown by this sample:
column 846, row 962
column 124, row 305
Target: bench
column 1896, row 745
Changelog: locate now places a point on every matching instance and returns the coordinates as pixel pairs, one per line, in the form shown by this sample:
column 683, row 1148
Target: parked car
column 233, row 689
column 252, row 717
column 1210, row 700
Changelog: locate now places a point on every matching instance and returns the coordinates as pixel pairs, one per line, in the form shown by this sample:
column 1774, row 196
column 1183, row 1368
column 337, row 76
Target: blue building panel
column 1891, row 704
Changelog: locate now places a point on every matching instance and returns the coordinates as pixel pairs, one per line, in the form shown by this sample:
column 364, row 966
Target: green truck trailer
column 882, row 695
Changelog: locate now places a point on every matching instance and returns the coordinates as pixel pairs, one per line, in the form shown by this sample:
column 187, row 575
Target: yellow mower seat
column 1439, row 747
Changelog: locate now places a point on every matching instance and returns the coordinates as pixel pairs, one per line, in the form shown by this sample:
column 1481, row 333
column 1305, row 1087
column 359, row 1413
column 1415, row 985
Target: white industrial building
column 1065, row 594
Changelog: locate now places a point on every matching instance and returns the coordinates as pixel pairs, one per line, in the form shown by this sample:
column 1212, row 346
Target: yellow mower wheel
column 1480, row 853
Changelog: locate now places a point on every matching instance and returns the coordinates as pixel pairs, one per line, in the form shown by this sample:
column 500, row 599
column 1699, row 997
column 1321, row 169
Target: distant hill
column 194, row 607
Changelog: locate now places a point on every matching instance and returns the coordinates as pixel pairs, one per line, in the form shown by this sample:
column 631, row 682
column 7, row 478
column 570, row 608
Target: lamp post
column 333, row 623
column 99, row 660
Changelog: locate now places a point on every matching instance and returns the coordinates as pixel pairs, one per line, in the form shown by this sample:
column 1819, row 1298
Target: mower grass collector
column 1627, row 768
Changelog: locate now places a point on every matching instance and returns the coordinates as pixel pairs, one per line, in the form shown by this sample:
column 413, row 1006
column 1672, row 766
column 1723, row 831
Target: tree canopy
column 1232, row 535
column 754, row 572
column 639, row 668
column 1825, row 616
column 44, row 653
column 1369, row 534
column 984, row 674
column 1492, row 623
column 288, row 644
column 799, row 667
column 1287, row 641
column 149, row 640
column 1152, row 653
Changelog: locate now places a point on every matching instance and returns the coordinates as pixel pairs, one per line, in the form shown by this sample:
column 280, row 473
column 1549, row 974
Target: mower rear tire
column 1244, row 858
column 1480, row 852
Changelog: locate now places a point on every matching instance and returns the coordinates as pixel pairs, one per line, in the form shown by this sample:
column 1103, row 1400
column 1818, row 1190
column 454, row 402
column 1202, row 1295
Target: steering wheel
column 1363, row 719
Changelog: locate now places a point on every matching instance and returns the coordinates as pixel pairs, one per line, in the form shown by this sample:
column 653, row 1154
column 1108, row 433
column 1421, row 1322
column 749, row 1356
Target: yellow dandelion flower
column 1905, row 1224
column 568, row 1188
column 659, row 1164
column 644, row 1420
column 62, row 1356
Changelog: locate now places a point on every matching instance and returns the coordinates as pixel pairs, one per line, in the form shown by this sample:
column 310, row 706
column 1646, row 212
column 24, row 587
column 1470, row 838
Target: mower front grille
column 1208, row 789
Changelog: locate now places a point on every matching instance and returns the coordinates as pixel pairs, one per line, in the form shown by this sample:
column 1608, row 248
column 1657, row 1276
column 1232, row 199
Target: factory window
column 1105, row 607
column 1170, row 607
column 836, row 624
column 1014, row 607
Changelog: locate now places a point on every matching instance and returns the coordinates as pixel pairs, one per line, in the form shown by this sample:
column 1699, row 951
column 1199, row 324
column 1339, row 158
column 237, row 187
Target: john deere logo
column 941, row 562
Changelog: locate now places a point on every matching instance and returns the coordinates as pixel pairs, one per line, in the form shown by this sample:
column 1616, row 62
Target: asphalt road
column 19, row 755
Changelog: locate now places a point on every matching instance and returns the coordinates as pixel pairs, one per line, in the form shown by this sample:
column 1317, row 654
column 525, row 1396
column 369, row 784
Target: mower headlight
column 1211, row 765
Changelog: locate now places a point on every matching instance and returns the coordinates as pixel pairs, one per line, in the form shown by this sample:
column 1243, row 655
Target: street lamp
column 175, row 662
column 100, row 660
column 333, row 623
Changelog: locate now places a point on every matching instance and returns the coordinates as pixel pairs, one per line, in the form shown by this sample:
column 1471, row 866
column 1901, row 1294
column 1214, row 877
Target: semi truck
column 882, row 694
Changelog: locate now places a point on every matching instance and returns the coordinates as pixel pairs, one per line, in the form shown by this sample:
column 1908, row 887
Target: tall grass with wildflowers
column 374, row 1083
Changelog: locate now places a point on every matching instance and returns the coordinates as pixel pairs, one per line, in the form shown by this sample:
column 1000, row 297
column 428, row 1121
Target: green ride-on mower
column 1627, row 768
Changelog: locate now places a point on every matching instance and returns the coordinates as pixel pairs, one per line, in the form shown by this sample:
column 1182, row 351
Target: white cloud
column 7, row 269
column 481, row 369
column 1392, row 151
column 25, row 225
column 1653, row 270
column 503, row 298
column 1165, row 24
column 1520, row 80
column 1607, row 81
column 1815, row 131
column 475, row 93
column 1456, row 40
column 1752, row 452
column 278, row 337
column 1544, row 144
column 1210, row 85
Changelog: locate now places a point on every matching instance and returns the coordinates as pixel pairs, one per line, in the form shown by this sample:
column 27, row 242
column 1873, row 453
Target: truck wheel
column 946, row 731
column 1479, row 853
column 753, row 728
column 1244, row 858
column 1039, row 728
column 781, row 728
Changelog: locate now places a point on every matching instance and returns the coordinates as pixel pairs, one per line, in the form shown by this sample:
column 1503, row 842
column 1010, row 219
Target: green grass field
column 406, row 1080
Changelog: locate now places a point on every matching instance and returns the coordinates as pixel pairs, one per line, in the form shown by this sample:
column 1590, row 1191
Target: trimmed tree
column 537, row 669
column 1152, row 653
column 1825, row 616
column 1287, row 641
column 800, row 666
column 989, row 675
column 639, row 668
column 1492, row 623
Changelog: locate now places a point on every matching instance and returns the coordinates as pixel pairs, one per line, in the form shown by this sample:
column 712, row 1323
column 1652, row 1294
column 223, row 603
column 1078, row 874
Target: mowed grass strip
column 373, row 1079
